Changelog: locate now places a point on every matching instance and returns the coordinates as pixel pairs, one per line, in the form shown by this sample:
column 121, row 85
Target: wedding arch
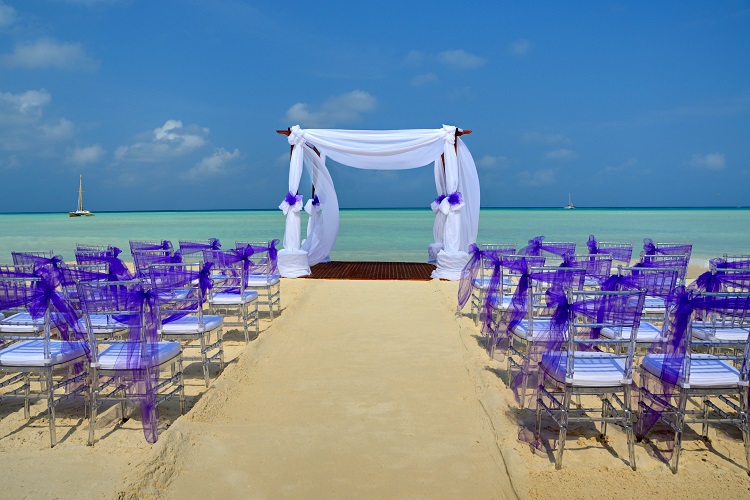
column 456, row 181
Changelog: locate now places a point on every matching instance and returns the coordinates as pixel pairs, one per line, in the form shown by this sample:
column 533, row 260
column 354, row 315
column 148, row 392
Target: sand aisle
column 355, row 391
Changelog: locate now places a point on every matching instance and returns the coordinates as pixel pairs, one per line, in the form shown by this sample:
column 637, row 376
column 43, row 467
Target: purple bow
column 292, row 198
column 455, row 198
column 591, row 244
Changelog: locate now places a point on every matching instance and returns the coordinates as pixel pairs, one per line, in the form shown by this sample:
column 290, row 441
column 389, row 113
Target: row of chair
column 568, row 332
column 95, row 331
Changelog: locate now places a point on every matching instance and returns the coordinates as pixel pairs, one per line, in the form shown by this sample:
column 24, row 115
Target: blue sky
column 173, row 104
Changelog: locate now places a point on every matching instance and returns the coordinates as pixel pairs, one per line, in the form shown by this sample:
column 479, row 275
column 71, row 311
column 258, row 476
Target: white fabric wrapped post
column 438, row 227
column 453, row 257
column 292, row 260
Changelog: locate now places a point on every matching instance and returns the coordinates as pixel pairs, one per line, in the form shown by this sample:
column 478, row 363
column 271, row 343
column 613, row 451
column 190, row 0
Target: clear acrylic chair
column 620, row 252
column 480, row 284
column 263, row 275
column 677, row 261
column 140, row 369
column 182, row 290
column 536, row 321
column 685, row 249
column 31, row 258
column 703, row 379
column 229, row 296
column 569, row 367
column 598, row 267
column 38, row 366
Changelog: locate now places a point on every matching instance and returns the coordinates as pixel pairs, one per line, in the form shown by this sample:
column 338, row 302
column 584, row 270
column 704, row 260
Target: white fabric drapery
column 386, row 150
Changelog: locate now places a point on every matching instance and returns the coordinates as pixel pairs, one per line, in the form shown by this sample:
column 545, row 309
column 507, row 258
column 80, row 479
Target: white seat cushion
column 114, row 357
column 647, row 332
column 497, row 303
column 190, row 325
column 705, row 370
column 232, row 299
column 590, row 369
column 31, row 353
column 262, row 279
column 541, row 328
column 720, row 333
column 21, row 323
column 653, row 305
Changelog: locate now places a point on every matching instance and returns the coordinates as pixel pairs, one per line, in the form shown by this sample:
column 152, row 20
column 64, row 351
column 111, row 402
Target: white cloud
column 520, row 47
column 493, row 162
column 24, row 106
column 460, row 59
column 561, row 154
column 212, row 165
column 711, row 161
column 48, row 53
column 344, row 108
column 422, row 80
column 545, row 139
column 171, row 140
column 85, row 155
column 60, row 131
column 7, row 15
column 541, row 177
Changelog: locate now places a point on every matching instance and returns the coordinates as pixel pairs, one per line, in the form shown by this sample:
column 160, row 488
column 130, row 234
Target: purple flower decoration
column 455, row 198
column 315, row 200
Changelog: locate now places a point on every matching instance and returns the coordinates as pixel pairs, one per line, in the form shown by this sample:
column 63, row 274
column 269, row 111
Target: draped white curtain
column 386, row 150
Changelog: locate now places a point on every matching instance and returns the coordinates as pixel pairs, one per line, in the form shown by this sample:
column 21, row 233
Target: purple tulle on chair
column 116, row 268
column 197, row 246
column 537, row 246
column 620, row 252
column 660, row 392
column 135, row 362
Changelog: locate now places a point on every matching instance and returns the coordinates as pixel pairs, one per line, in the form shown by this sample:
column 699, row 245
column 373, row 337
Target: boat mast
column 80, row 193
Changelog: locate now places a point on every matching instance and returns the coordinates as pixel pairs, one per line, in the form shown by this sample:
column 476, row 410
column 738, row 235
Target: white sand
column 367, row 389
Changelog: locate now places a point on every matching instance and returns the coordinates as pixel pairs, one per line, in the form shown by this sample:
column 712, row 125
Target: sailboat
column 80, row 212
column 570, row 205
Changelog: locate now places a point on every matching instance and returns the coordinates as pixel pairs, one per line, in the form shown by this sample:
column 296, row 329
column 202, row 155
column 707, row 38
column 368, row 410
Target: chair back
column 677, row 261
column 181, row 289
column 656, row 281
column 598, row 266
column 489, row 252
column 31, row 258
column 136, row 245
column 620, row 252
column 127, row 302
column 675, row 249
column 143, row 259
column 590, row 312
column 737, row 261
column 190, row 248
column 265, row 261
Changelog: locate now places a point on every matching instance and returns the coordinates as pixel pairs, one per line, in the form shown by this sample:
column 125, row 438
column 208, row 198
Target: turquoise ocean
column 387, row 234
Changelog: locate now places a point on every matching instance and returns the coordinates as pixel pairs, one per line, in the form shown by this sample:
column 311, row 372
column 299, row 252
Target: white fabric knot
column 296, row 136
column 450, row 134
column 452, row 203
column 286, row 207
column 309, row 207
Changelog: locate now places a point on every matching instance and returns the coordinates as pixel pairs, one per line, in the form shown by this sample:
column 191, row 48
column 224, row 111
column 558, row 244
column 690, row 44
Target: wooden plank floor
column 411, row 271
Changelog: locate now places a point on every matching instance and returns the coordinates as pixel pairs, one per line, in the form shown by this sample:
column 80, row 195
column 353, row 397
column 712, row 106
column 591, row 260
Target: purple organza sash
column 722, row 263
column 536, row 245
column 167, row 279
column 143, row 259
column 722, row 280
column 468, row 275
column 657, row 282
column 191, row 247
column 136, row 245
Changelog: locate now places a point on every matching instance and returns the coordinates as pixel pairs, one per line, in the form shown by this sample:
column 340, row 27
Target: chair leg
column 51, row 408
column 270, row 301
column 629, row 426
column 605, row 414
column 27, row 395
column 565, row 409
column 679, row 425
column 94, row 405
column 704, row 427
column 744, row 424
column 181, row 382
column 204, row 358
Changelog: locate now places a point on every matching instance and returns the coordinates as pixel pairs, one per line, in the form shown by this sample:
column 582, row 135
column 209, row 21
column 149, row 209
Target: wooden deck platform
column 411, row 271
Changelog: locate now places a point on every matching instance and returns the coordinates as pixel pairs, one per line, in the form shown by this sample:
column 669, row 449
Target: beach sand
column 370, row 389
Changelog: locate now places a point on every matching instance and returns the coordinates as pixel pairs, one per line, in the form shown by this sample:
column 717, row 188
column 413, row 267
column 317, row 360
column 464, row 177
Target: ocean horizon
column 387, row 234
